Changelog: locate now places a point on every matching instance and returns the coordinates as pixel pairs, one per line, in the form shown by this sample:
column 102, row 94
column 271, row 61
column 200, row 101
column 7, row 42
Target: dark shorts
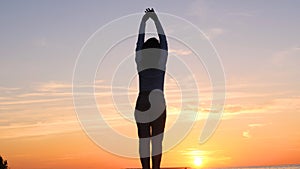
column 151, row 128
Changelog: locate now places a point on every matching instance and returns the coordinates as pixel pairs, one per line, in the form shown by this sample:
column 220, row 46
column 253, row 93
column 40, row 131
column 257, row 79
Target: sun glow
column 198, row 161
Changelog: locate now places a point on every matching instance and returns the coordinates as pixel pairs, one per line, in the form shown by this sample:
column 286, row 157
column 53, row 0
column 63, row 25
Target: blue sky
column 41, row 40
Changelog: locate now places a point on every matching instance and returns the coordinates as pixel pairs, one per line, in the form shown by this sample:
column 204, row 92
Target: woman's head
column 151, row 57
column 151, row 43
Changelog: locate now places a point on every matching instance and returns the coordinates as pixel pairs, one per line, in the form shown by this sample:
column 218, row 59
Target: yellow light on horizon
column 198, row 161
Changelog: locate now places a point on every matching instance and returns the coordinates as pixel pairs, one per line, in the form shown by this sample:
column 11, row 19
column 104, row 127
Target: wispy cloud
column 214, row 33
column 257, row 125
column 53, row 86
column 44, row 109
column 51, row 104
column 253, row 128
column 4, row 89
column 287, row 56
column 246, row 134
column 180, row 52
column 48, row 108
column 38, row 129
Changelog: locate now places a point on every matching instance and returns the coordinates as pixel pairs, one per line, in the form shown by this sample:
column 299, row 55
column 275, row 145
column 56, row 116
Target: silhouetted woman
column 150, row 110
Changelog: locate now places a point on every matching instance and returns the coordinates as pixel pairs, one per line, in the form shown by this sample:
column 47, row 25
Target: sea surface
column 291, row 166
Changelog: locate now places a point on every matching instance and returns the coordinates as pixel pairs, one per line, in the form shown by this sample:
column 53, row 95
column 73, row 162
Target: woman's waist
column 153, row 97
column 148, row 84
column 143, row 93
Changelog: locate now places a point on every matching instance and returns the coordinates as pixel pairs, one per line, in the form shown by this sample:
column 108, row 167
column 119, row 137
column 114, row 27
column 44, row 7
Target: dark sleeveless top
column 151, row 64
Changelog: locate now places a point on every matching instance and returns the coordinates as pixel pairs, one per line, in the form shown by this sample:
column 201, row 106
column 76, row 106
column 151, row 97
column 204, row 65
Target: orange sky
column 254, row 130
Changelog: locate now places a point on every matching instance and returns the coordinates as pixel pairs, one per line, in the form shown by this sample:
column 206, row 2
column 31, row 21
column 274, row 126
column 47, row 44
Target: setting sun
column 198, row 161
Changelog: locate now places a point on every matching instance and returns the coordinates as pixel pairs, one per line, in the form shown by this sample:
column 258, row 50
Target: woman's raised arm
column 160, row 30
column 141, row 36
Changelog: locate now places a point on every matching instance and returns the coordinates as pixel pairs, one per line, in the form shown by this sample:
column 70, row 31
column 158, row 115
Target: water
column 291, row 166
